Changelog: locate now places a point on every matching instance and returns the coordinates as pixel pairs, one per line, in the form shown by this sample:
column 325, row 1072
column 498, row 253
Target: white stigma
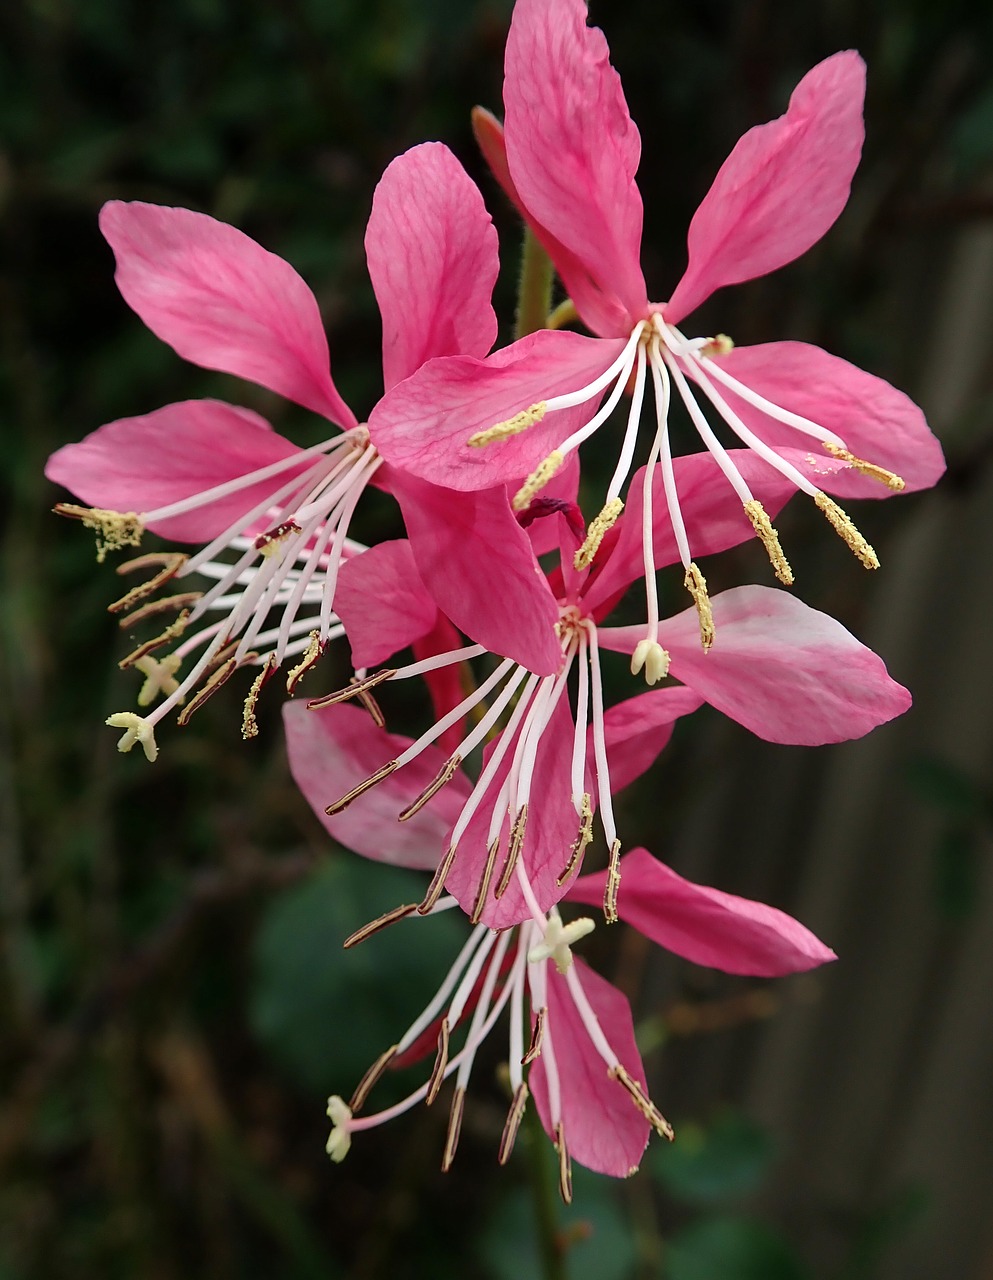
column 650, row 655
column 340, row 1138
column 559, row 939
column 136, row 729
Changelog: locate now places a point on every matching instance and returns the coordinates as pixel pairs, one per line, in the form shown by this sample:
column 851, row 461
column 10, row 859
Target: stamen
column 537, row 1035
column 113, row 529
column 641, row 1100
column 221, row 676
column 382, row 772
column 136, row 729
column 599, row 526
column 249, row 725
column 582, row 841
column 440, row 1062
column 182, row 600
column 160, row 677
column 565, row 1164
column 351, row 690
column 340, row 1138
column 514, row 1117
column 271, row 542
column 696, row 584
column 515, row 845
column 172, row 632
column 437, row 881
column 537, row 480
column 870, row 469
column 511, row 427
column 843, row 526
column 171, row 561
column 445, row 774
column 613, row 884
column 310, row 655
column 770, row 540
column 365, row 1085
column 719, row 345
column 454, row 1129
column 650, row 655
column 381, row 922
column 484, row 884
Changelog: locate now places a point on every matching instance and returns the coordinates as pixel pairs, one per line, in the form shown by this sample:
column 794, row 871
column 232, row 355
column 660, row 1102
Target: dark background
column 174, row 1001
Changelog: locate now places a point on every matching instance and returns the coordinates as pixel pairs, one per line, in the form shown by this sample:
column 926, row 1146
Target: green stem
column 544, row 1191
column 534, row 287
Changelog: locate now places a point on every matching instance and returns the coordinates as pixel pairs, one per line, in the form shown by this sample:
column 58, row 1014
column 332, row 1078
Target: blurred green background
column 174, row 1001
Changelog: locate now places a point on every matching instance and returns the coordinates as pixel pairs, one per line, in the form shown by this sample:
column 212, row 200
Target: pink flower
column 568, row 158
column 273, row 517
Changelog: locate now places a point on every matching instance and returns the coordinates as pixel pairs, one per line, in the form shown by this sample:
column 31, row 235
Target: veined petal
column 603, row 1129
column 786, row 672
column 383, row 602
column 335, row 749
column 638, row 729
column 877, row 422
column 155, row 459
column 424, row 423
column 222, row 301
column 781, row 188
column 432, row 253
column 572, row 147
column 708, row 927
column 479, row 566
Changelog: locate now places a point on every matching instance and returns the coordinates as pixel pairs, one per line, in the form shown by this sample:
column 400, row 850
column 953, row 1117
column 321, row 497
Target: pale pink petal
column 572, row 147
column 432, row 254
column 708, row 927
column 604, row 1130
column 333, row 750
column 785, row 671
column 781, row 188
column 383, row 602
column 877, row 422
column 222, row 301
column 637, row 730
column 424, row 423
column 155, row 459
column 478, row 564
column 602, row 312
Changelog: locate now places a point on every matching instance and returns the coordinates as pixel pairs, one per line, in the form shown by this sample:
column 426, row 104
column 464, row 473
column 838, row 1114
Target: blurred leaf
column 957, row 873
column 884, row 1227
column 728, row 1158
column 947, row 787
column 731, row 1249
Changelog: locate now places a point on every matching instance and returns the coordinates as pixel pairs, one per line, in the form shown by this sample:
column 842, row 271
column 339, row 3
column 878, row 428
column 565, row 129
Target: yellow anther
column 310, row 656
column 870, row 469
column 271, row 541
column 719, row 345
column 696, row 584
column 770, row 540
column 642, row 1101
column 249, row 724
column 114, row 529
column 160, row 677
column 582, row 840
column 599, row 527
column 650, row 655
column 844, row 528
column 136, row 729
column 340, row 1138
column 511, row 427
column 613, row 884
column 537, row 480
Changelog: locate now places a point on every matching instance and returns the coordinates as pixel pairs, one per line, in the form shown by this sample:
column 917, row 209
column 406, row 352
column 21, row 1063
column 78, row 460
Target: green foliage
column 724, row 1160
column 731, row 1249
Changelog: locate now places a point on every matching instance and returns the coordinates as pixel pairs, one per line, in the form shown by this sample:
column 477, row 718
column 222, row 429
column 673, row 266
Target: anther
column 249, row 724
column 769, row 538
column 270, row 542
column 445, row 774
column 167, row 604
column 537, row 1035
column 221, row 676
column 113, row 529
column 136, row 729
column 340, row 1138
column 719, row 345
column 479, row 902
column 368, row 1081
column 696, row 584
column 373, row 707
column 437, row 882
column 172, row 632
column 613, row 884
column 381, row 922
column 454, row 1129
column 537, row 480
column 440, row 1062
column 595, row 534
column 650, row 655
column 351, row 690
column 565, row 1164
column 582, row 841
column 340, row 805
column 511, row 427
column 514, row 1117
column 514, row 846
column 171, row 562
column 641, row 1100
column 310, row 655
column 843, row 526
column 870, row 469
column 160, row 677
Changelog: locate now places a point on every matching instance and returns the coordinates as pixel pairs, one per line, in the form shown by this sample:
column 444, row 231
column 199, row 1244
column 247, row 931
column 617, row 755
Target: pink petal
column 781, row 188
column 333, row 750
column 781, row 669
column 444, row 684
column 140, row 464
column 603, row 1129
column 637, row 730
column 383, row 603
column 423, row 424
column 708, row 927
column 432, row 254
column 572, row 147
column 878, row 423
column 222, row 301
column 478, row 564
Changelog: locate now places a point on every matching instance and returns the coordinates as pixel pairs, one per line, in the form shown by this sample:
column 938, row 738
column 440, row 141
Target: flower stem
column 534, row 287
column 544, row 1194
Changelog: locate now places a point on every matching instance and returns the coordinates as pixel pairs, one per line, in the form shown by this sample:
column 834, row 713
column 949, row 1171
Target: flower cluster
column 501, row 596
